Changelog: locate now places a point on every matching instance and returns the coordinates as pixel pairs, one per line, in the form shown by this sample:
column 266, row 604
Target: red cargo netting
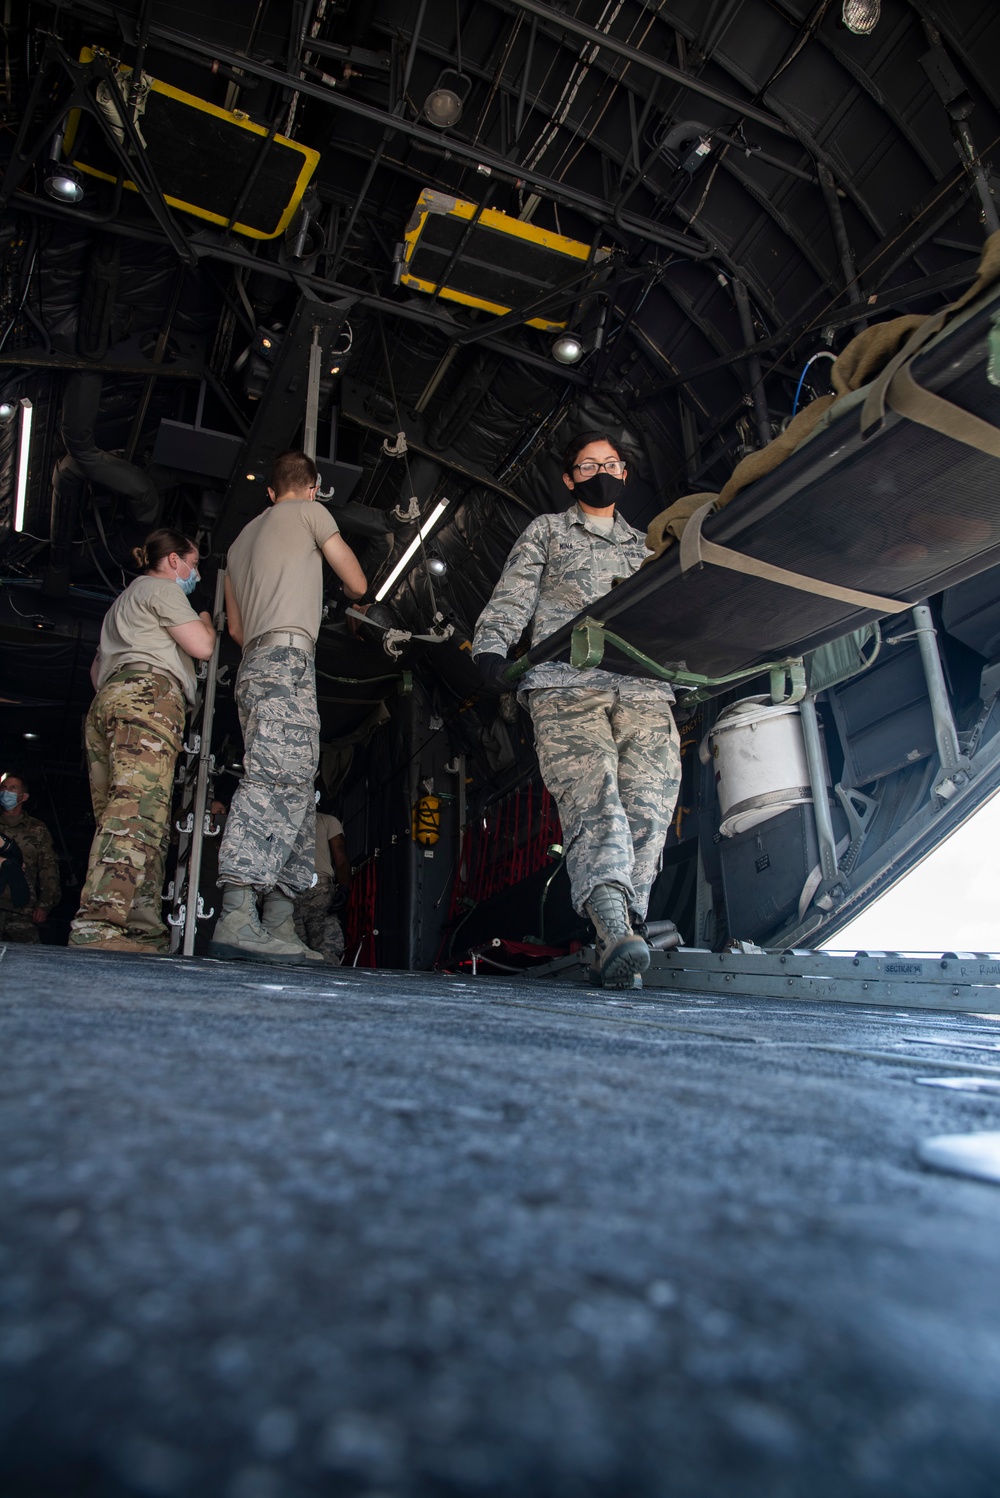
column 359, row 949
column 505, row 846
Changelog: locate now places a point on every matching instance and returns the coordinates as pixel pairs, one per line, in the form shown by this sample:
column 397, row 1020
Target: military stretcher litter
column 893, row 496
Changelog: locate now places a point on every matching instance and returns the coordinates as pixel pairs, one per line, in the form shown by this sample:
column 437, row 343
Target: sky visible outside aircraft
column 948, row 903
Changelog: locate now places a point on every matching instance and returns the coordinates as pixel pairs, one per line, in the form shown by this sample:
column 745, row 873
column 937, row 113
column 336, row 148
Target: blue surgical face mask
column 8, row 800
column 188, row 584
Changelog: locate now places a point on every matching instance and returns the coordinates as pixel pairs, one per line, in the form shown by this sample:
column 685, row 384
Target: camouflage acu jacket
column 559, row 566
column 41, row 867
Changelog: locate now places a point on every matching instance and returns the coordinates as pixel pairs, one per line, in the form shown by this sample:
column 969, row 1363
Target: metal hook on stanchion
column 410, row 514
column 190, row 913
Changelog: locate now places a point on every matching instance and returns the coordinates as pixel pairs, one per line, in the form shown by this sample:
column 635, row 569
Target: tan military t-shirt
column 276, row 568
column 326, row 828
column 135, row 630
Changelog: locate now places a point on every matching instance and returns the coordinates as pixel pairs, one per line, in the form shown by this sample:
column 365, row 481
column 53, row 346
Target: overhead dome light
column 7, row 411
column 437, row 566
column 861, row 16
column 443, row 105
column 567, row 349
column 64, row 183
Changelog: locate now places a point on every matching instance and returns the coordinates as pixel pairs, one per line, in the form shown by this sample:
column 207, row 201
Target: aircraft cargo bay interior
column 499, row 566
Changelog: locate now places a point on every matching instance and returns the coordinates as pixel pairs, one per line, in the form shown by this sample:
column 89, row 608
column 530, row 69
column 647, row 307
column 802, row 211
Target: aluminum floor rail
column 968, row 982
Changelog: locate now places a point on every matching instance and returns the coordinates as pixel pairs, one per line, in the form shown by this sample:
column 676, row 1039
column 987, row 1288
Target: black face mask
column 600, row 491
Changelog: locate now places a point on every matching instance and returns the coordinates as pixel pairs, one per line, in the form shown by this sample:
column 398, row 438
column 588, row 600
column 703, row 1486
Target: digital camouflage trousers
column 612, row 762
column 270, row 836
column 316, row 925
column 132, row 736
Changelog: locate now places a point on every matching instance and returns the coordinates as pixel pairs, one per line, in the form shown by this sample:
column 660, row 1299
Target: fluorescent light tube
column 23, row 454
column 427, row 526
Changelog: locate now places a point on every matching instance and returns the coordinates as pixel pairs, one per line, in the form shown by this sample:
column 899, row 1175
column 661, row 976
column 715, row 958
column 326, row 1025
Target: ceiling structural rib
column 717, row 19
column 669, row 240
column 821, row 156
column 863, row 83
column 640, row 176
column 475, row 156
column 416, row 311
column 878, row 97
column 131, row 161
column 840, row 238
column 900, row 296
column 444, row 275
column 797, row 131
column 513, row 89
column 571, row 290
column 951, row 89
column 740, row 247
column 773, row 210
column 566, row 23
column 933, row 16
column 761, row 414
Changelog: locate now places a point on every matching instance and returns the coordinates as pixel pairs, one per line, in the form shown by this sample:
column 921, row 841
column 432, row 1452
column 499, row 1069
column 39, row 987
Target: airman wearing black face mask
column 607, row 744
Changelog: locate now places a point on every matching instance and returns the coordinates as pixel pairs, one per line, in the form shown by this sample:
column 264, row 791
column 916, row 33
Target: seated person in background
column 40, row 865
column 14, row 889
column 315, row 919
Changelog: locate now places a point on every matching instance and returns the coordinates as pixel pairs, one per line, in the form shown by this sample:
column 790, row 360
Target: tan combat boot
column 619, row 952
column 276, row 917
column 238, row 932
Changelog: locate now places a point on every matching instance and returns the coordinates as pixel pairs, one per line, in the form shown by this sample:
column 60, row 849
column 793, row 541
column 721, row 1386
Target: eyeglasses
column 586, row 470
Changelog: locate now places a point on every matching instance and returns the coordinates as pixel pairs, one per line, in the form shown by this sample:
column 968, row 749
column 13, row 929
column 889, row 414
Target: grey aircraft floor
column 269, row 1233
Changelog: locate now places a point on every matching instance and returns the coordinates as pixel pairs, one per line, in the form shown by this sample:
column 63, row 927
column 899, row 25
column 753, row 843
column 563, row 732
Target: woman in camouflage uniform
column 144, row 677
column 607, row 743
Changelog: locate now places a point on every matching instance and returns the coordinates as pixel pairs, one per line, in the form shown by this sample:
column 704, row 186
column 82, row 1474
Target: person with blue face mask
column 22, row 920
column 144, row 677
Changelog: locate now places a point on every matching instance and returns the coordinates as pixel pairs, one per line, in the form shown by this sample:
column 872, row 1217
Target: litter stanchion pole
column 205, row 767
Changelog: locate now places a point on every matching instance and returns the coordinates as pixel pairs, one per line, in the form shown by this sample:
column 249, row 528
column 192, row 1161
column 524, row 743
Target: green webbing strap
column 590, row 638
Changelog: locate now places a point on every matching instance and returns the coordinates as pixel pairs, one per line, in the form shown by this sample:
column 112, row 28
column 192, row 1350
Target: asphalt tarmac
column 274, row 1233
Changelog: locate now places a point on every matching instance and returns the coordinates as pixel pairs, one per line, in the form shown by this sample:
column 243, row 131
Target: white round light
column 64, row 184
column 442, row 107
column 567, row 349
column 861, row 16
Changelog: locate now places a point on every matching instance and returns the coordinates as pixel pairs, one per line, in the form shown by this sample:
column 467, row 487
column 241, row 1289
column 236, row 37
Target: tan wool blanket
column 863, row 358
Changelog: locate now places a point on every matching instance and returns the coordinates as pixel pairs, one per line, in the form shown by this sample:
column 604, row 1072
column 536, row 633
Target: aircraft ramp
column 271, row 1233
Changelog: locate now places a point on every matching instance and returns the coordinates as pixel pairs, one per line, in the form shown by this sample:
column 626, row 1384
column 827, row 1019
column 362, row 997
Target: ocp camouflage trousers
column 132, row 736
column 314, row 923
column 270, row 836
column 17, row 925
column 612, row 762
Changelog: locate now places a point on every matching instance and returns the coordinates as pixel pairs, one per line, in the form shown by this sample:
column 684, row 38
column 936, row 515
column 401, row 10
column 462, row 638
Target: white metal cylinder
column 760, row 763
